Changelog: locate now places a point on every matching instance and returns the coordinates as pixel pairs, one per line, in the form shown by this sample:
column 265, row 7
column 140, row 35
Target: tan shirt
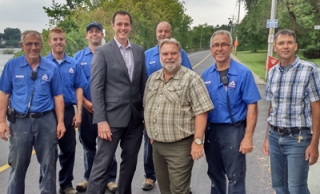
column 170, row 106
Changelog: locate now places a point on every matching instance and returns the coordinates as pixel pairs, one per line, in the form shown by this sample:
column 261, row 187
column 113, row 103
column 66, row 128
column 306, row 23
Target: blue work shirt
column 16, row 81
column 153, row 60
column 84, row 58
column 72, row 77
column 242, row 91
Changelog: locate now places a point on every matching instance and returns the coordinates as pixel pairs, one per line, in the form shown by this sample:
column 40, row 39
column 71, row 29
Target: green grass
column 256, row 61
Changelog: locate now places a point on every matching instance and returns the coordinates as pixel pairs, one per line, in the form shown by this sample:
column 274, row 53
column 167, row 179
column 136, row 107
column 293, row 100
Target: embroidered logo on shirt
column 207, row 82
column 45, row 77
column 83, row 63
column 232, row 84
column 71, row 70
column 152, row 62
column 19, row 76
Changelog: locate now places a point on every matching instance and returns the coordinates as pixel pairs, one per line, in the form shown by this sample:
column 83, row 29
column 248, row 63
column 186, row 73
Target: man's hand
column 246, row 145
column 76, row 120
column 88, row 105
column 104, row 131
column 61, row 129
column 312, row 154
column 196, row 151
column 265, row 147
column 4, row 131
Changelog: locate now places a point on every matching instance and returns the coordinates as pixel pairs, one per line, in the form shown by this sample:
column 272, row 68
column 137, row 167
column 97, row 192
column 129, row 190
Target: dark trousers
column 130, row 138
column 147, row 158
column 224, row 160
column 67, row 145
column 88, row 134
column 40, row 134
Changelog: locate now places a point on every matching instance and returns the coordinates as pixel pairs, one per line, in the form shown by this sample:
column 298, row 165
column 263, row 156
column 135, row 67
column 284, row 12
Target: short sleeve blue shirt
column 242, row 91
column 16, row 81
column 72, row 77
column 153, row 60
column 84, row 58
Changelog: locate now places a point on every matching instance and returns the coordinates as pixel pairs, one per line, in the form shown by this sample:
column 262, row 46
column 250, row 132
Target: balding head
column 163, row 31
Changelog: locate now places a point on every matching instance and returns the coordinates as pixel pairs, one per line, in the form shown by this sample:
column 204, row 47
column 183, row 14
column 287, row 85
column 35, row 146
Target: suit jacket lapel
column 117, row 53
column 135, row 60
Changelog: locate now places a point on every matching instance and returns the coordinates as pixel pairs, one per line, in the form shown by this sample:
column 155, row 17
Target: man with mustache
column 176, row 103
column 73, row 83
column 152, row 65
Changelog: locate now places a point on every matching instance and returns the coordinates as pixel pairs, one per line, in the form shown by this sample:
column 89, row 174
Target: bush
column 312, row 52
column 8, row 51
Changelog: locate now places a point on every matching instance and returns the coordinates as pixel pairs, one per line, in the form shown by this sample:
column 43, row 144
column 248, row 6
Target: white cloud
column 29, row 14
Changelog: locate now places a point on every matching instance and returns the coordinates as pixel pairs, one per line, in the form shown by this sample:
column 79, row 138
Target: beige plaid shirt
column 170, row 106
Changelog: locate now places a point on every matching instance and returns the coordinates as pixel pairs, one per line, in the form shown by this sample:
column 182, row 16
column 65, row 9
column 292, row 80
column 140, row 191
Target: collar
column 87, row 51
column 232, row 67
column 293, row 64
column 25, row 63
column 120, row 45
column 65, row 59
column 177, row 75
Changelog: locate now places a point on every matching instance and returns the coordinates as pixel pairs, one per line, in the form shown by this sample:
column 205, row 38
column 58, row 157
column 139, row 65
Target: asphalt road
column 258, row 175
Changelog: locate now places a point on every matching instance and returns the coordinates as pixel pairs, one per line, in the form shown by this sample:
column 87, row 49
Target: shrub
column 312, row 52
column 8, row 51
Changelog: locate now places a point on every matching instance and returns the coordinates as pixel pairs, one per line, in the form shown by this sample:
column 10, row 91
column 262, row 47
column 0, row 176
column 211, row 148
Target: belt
column 227, row 123
column 289, row 130
column 32, row 115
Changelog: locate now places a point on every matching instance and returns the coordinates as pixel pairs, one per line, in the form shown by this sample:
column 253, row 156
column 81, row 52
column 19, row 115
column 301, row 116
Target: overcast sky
column 28, row 14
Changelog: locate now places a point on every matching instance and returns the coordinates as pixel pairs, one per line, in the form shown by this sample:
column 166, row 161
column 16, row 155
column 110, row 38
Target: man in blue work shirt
column 229, row 135
column 31, row 86
column 152, row 65
column 89, row 132
column 73, row 80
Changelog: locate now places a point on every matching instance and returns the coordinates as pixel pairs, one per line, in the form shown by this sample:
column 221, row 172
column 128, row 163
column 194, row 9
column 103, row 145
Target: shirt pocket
column 19, row 86
column 151, row 92
column 173, row 93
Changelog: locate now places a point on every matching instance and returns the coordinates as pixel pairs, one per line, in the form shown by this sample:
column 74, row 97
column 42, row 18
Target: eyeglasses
column 36, row 44
column 222, row 45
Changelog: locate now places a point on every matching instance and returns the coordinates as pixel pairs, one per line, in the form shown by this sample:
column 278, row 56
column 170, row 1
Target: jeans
column 289, row 169
column 225, row 162
column 41, row 135
column 147, row 158
column 88, row 134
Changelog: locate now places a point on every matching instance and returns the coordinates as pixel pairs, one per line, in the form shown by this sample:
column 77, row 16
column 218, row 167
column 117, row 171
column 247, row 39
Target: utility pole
column 271, row 34
column 236, row 41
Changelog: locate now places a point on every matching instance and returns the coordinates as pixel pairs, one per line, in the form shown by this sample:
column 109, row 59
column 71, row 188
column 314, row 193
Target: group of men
column 123, row 93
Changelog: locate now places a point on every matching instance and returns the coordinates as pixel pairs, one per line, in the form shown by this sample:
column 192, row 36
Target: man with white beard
column 176, row 103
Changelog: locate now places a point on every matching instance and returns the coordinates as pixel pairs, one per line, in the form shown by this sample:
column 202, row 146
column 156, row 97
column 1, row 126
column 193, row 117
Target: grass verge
column 256, row 61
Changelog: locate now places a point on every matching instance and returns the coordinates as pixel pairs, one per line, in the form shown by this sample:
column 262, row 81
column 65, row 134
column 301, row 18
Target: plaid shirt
column 170, row 106
column 291, row 90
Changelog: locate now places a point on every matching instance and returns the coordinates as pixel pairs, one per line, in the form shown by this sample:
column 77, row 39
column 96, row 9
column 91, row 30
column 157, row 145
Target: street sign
column 272, row 23
column 317, row 27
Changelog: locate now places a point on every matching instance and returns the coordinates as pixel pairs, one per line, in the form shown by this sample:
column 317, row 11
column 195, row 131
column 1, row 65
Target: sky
column 29, row 14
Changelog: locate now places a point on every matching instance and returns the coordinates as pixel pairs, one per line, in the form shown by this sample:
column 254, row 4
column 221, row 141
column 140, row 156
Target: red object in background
column 271, row 61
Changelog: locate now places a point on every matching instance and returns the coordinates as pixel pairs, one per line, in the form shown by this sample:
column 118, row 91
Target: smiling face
column 94, row 36
column 285, row 46
column 121, row 27
column 221, row 48
column 31, row 46
column 163, row 31
column 170, row 57
column 57, row 41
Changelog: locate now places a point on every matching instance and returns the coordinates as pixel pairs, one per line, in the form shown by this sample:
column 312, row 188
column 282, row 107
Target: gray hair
column 32, row 33
column 221, row 32
column 170, row 41
column 285, row 32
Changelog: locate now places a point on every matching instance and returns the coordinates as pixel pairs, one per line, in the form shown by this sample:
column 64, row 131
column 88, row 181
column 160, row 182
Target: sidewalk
column 314, row 171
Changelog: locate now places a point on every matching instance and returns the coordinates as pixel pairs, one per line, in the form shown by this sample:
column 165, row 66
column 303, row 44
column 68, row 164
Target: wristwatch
column 198, row 141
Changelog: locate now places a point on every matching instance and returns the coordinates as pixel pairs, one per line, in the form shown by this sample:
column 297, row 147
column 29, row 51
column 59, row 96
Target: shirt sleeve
column 185, row 60
column 200, row 100
column 250, row 93
column 6, row 79
column 313, row 87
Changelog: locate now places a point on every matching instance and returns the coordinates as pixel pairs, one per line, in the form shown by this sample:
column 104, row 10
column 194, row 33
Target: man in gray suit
column 118, row 79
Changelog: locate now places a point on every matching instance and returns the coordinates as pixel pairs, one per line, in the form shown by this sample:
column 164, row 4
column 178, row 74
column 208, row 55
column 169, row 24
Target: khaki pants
column 173, row 165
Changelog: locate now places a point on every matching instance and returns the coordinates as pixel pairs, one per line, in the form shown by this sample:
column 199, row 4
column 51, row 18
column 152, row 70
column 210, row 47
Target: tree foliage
column 11, row 37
